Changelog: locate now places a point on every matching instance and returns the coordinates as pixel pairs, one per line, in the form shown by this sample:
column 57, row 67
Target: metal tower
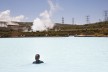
column 73, row 21
column 106, row 15
column 62, row 20
column 88, row 19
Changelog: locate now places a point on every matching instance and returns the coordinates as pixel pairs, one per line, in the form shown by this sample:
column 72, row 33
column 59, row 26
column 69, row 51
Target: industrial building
column 17, row 26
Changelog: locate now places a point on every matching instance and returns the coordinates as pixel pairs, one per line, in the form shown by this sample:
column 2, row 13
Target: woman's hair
column 37, row 56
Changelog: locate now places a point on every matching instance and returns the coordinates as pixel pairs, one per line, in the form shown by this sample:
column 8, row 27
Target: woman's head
column 37, row 56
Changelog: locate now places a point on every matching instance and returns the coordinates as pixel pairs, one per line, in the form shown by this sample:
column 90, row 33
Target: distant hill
column 99, row 29
column 68, row 26
column 97, row 25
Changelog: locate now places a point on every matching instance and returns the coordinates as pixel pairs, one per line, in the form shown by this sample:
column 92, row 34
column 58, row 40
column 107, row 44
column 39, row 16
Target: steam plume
column 6, row 16
column 44, row 21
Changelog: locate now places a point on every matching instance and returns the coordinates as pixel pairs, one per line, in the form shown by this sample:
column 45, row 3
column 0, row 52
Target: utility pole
column 100, row 20
column 106, row 15
column 88, row 19
column 62, row 20
column 73, row 21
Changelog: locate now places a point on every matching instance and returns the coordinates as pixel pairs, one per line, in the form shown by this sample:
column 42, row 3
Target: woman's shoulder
column 38, row 62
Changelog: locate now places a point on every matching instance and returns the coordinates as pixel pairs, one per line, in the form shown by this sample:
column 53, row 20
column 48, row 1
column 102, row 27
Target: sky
column 77, row 9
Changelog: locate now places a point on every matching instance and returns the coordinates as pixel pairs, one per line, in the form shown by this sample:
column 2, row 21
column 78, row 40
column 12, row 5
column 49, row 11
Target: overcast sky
column 77, row 9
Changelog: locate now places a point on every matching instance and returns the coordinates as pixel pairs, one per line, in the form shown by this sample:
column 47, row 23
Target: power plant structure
column 17, row 26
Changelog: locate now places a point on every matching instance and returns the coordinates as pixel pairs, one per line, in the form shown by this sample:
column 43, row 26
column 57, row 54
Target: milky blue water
column 60, row 54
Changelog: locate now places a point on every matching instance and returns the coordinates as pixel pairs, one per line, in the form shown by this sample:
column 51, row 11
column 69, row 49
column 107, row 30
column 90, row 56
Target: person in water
column 37, row 56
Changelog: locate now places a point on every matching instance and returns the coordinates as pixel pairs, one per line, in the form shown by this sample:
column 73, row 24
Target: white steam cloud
column 6, row 16
column 44, row 22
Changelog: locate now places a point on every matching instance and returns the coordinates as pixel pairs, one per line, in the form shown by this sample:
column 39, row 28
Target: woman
column 37, row 56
